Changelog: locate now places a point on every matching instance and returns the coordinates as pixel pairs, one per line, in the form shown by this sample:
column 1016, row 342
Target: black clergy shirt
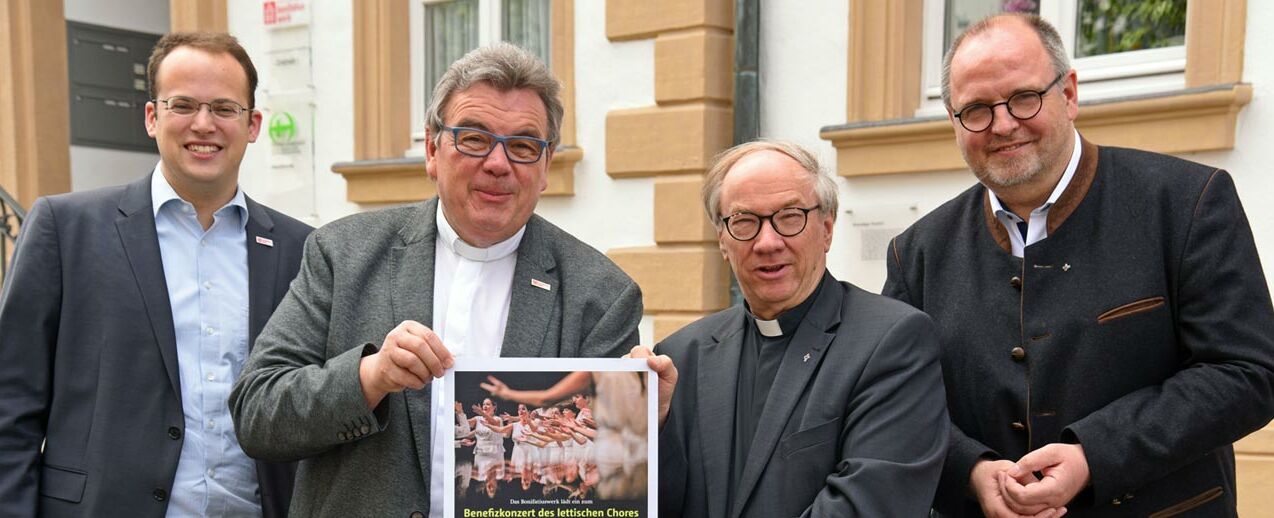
column 758, row 364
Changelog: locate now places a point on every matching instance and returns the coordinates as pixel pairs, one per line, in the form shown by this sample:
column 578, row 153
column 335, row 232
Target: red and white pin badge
column 265, row 241
column 541, row 285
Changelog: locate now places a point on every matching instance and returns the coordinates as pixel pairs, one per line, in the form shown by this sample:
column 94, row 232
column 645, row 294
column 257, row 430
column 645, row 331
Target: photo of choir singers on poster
column 552, row 437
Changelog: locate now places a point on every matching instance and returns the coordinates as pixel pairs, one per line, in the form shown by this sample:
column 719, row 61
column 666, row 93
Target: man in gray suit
column 340, row 377
column 814, row 397
column 129, row 310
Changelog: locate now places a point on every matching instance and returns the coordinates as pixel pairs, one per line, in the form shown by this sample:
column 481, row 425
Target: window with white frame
column 1118, row 47
column 444, row 30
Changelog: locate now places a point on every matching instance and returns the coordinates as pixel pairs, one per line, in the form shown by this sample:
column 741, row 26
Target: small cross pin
column 1066, row 267
column 806, row 358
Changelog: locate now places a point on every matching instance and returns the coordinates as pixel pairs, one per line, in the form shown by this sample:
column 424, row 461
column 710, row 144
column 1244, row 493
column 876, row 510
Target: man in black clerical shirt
column 814, row 397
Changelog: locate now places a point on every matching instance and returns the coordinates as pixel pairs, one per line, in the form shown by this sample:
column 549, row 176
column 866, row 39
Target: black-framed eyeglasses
column 478, row 143
column 1022, row 106
column 788, row 222
column 224, row 109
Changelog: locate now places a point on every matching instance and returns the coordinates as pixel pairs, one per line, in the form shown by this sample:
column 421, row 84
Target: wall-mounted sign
column 285, row 13
column 282, row 128
column 289, row 125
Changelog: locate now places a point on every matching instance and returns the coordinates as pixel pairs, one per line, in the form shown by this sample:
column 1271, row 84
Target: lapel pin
column 265, row 241
column 1066, row 267
column 806, row 358
column 541, row 284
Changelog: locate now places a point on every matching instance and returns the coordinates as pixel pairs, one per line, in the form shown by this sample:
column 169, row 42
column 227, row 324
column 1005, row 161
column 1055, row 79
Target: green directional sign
column 282, row 128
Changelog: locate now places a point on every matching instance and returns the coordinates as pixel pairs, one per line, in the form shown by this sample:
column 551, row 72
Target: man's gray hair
column 824, row 186
column 505, row 67
column 1048, row 36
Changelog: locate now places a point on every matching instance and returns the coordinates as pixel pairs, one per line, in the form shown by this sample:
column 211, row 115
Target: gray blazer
column 854, row 425
column 88, row 356
column 299, row 398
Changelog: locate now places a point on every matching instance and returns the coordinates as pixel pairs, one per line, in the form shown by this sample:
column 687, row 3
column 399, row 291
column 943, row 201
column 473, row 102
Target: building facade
column 650, row 90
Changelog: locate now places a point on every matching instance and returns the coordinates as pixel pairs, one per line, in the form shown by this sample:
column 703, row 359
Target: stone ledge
column 1191, row 120
column 661, row 140
column 638, row 19
column 690, row 278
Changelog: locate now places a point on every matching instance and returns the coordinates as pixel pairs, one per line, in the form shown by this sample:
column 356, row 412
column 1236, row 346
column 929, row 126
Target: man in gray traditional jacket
column 385, row 300
column 1106, row 329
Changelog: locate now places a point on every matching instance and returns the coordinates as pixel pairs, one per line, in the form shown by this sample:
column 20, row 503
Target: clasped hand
column 1012, row 489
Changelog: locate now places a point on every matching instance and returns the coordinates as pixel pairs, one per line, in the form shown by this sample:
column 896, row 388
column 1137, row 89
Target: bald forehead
column 770, row 164
column 996, row 62
column 1008, row 40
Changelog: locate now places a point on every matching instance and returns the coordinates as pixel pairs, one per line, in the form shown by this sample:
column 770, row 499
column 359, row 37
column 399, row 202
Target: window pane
column 451, row 30
column 526, row 24
column 1111, row 26
column 960, row 14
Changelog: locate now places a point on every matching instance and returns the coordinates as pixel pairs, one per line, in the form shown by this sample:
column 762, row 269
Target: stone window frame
column 885, row 63
column 380, row 173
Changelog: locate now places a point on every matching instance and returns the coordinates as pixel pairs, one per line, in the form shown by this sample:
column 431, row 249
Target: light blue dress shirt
column 207, row 277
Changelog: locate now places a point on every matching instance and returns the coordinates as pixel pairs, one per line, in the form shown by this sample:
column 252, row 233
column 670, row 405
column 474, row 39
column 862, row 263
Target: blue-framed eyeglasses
column 478, row 143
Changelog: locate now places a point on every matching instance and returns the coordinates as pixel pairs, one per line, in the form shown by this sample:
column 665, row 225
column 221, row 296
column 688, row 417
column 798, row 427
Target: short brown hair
column 210, row 42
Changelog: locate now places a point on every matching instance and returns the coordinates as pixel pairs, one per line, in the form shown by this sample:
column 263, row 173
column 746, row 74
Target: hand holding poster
column 551, row 438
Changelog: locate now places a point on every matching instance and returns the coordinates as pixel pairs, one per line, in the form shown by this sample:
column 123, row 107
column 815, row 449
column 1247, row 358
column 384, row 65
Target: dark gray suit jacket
column 855, row 424
column 1141, row 329
column 88, row 356
column 299, row 396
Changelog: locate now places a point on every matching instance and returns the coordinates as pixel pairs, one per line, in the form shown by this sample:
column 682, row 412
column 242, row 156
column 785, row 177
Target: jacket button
column 1016, row 282
column 342, row 436
column 417, row 514
column 1018, row 354
column 159, row 494
column 174, row 433
column 1017, row 426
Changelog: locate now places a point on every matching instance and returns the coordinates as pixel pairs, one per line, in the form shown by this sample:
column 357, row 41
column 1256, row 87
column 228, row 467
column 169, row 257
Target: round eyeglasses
column 478, row 143
column 224, row 109
column 788, row 222
column 1022, row 106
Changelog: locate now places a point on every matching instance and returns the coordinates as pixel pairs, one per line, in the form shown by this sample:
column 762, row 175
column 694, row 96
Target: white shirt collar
column 769, row 328
column 452, row 241
column 162, row 192
column 1067, row 175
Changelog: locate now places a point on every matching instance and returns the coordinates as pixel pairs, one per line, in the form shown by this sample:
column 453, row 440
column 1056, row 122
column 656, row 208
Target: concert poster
column 551, row 438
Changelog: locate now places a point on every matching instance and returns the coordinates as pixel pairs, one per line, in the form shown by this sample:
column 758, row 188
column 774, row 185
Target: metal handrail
column 11, row 216
column 7, row 200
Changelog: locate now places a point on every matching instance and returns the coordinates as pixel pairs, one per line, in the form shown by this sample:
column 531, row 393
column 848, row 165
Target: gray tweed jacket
column 299, row 398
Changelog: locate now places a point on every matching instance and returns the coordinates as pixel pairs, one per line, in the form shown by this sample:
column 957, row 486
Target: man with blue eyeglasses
column 130, row 310
column 340, row 378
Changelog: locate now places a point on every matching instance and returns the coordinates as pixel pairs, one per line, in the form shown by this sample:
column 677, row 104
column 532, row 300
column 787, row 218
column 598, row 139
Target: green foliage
column 1110, row 26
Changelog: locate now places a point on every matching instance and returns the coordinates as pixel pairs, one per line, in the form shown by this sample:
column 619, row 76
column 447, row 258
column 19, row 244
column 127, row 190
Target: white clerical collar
column 789, row 320
column 769, row 328
column 452, row 241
